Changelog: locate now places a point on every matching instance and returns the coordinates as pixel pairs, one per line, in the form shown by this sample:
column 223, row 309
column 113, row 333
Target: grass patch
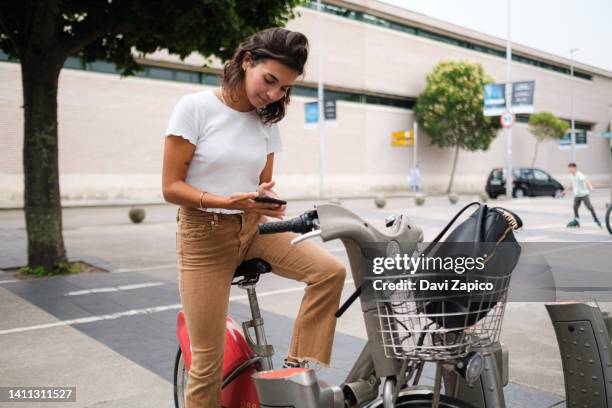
column 63, row 268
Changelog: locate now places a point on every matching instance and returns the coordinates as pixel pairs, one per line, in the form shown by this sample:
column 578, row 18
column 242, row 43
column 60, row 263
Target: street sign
column 522, row 97
column 402, row 138
column 311, row 113
column 507, row 119
column 329, row 109
column 494, row 99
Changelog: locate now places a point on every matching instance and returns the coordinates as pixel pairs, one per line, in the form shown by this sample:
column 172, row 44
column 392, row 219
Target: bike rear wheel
column 180, row 380
column 608, row 220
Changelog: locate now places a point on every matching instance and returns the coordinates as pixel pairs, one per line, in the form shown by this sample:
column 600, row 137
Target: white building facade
column 375, row 58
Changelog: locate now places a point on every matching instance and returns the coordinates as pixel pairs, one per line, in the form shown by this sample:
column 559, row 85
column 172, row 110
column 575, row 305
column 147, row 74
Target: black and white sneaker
column 293, row 364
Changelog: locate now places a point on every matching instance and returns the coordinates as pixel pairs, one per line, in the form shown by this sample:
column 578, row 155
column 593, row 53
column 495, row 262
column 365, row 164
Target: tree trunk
column 535, row 152
column 452, row 177
column 42, row 205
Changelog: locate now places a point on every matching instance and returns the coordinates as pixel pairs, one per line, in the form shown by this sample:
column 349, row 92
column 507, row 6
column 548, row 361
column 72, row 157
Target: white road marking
column 91, row 319
column 544, row 239
column 137, row 312
column 10, row 281
column 278, row 292
column 592, row 227
column 564, row 248
column 535, row 238
column 545, row 226
column 174, row 265
column 114, row 288
column 145, row 268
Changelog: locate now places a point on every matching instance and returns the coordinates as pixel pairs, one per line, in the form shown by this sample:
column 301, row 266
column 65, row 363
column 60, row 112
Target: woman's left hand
column 265, row 189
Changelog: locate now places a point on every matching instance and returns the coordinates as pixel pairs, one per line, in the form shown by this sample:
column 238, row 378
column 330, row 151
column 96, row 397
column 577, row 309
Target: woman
column 218, row 156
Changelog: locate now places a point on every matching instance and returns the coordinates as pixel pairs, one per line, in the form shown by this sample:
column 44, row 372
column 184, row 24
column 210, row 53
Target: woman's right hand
column 245, row 202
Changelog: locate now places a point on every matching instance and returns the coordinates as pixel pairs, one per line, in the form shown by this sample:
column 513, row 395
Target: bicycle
column 249, row 379
column 403, row 333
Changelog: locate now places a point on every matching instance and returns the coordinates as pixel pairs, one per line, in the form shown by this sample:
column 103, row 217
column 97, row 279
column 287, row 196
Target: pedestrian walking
column 414, row 179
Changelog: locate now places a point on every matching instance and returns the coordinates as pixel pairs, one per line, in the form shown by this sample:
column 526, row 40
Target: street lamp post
column 573, row 130
column 610, row 130
column 508, row 130
column 320, row 99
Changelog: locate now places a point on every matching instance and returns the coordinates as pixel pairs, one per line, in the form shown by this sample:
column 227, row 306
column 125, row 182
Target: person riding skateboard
column 581, row 186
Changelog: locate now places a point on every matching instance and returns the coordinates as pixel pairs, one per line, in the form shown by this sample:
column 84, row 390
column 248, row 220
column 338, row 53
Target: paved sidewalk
column 112, row 334
column 127, row 361
column 65, row 356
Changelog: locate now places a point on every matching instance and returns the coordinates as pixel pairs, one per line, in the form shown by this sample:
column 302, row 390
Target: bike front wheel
column 425, row 401
column 608, row 220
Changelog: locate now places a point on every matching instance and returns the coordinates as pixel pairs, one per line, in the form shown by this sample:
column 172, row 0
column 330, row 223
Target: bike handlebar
column 301, row 224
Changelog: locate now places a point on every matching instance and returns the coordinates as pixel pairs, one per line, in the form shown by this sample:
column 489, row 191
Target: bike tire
column 179, row 383
column 608, row 220
column 425, row 401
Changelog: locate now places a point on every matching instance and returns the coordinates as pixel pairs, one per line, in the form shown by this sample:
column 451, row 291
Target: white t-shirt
column 231, row 146
column 579, row 185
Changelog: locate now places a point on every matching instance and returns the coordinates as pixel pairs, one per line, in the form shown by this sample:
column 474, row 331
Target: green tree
column 450, row 109
column 545, row 125
column 41, row 34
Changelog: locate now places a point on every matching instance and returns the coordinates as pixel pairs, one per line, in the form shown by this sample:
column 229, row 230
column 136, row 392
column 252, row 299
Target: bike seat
column 252, row 268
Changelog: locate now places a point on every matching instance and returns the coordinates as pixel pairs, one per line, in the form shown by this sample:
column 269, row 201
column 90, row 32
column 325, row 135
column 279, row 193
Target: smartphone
column 269, row 200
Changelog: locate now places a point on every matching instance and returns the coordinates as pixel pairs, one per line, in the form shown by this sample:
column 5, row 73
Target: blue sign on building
column 311, row 110
column 494, row 99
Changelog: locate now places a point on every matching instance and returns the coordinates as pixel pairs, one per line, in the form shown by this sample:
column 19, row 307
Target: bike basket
column 461, row 312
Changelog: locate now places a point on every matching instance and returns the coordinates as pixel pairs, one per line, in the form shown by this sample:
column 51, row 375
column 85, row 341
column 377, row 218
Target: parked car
column 528, row 181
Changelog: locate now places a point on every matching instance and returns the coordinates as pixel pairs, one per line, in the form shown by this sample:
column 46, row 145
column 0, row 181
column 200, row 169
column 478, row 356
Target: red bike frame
column 241, row 392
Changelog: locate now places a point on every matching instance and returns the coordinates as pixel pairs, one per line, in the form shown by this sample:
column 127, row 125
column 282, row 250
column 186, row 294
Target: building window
column 579, row 126
column 522, row 118
column 205, row 78
column 74, row 63
column 187, row 76
column 383, row 22
column 102, row 66
column 161, row 73
column 580, row 139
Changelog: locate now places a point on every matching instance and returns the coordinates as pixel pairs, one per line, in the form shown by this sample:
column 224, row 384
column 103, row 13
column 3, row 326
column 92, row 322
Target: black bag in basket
column 488, row 230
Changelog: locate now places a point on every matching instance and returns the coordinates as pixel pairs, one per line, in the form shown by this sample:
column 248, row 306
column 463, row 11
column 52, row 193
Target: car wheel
column 493, row 196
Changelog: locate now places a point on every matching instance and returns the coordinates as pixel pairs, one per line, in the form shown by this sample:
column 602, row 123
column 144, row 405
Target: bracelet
column 201, row 207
